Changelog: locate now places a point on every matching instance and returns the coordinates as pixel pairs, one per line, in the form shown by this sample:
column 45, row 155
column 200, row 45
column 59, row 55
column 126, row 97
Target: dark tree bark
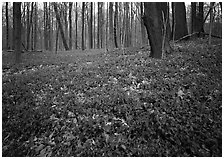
column 83, row 25
column 76, row 26
column 201, row 17
column 70, row 25
column 193, row 17
column 143, row 33
column 91, row 26
column 166, row 26
column 165, row 10
column 152, row 21
column 111, row 29
column 60, row 27
column 99, row 25
column 115, row 24
column 65, row 8
column 46, row 39
column 35, row 26
column 7, row 25
column 17, row 28
column 179, row 21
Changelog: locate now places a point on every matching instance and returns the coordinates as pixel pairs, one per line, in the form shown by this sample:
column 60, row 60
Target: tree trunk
column 127, row 26
column 56, row 41
column 60, row 27
column 115, row 24
column 111, row 29
column 211, row 23
column 201, row 17
column 45, row 26
column 7, row 26
column 83, row 25
column 76, row 26
column 143, row 33
column 17, row 28
column 98, row 26
column 65, row 20
column 166, row 27
column 35, row 26
column 152, row 21
column 70, row 25
column 193, row 17
column 179, row 20
column 91, row 26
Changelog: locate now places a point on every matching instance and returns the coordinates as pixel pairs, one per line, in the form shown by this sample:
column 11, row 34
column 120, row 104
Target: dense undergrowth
column 120, row 103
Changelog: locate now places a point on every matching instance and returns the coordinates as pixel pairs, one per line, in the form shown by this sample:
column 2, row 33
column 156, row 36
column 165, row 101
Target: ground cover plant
column 118, row 103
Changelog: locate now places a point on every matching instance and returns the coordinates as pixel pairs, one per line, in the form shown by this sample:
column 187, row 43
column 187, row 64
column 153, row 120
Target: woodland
column 111, row 79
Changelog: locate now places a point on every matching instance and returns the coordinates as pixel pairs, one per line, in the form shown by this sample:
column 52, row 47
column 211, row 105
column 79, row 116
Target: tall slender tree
column 111, row 28
column 7, row 25
column 83, row 25
column 17, row 28
column 35, row 25
column 115, row 24
column 91, row 26
column 60, row 26
column 76, row 25
column 70, row 25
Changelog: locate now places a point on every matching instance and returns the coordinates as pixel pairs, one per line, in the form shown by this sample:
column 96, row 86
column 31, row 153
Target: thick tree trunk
column 17, row 27
column 179, row 21
column 152, row 21
column 201, row 17
column 60, row 27
column 193, row 17
column 70, row 25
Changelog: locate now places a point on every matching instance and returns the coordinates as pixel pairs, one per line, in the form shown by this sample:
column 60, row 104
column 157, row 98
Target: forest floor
column 119, row 103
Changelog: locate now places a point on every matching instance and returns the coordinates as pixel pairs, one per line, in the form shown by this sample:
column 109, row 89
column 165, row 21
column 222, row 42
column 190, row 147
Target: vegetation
column 119, row 103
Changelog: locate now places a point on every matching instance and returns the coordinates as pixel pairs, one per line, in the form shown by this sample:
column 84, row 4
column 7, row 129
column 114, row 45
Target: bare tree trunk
column 111, row 29
column 60, row 27
column 70, row 25
column 201, row 17
column 115, row 24
column 83, row 25
column 76, row 26
column 65, row 20
column 143, row 33
column 17, row 34
column 45, row 26
column 35, row 26
column 127, row 32
column 7, row 26
column 180, row 22
column 211, row 23
column 91, row 26
column 152, row 21
column 56, row 41
column 193, row 17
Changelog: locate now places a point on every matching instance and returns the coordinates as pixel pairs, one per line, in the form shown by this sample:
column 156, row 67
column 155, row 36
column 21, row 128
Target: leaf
column 40, row 147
